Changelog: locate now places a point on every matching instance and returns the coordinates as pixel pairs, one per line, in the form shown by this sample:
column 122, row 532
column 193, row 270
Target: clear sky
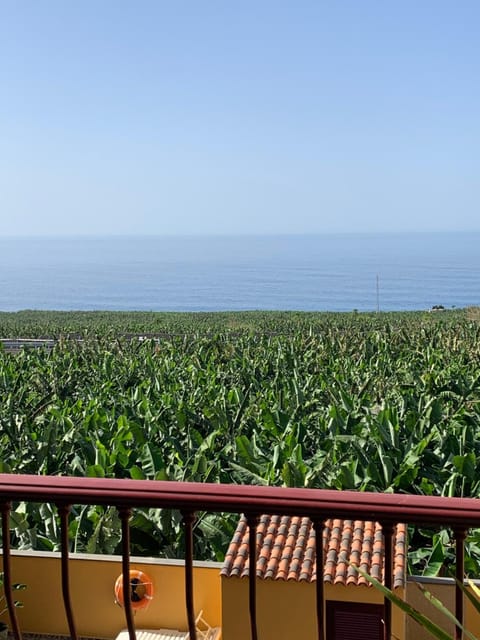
column 239, row 116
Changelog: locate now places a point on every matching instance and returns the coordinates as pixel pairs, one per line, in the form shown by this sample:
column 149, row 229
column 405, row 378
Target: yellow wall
column 444, row 590
column 286, row 610
column 92, row 582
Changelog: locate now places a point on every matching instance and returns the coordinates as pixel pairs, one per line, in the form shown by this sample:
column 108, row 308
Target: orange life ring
column 141, row 589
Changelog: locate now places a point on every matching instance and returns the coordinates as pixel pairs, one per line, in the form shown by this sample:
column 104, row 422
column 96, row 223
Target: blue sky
column 238, row 117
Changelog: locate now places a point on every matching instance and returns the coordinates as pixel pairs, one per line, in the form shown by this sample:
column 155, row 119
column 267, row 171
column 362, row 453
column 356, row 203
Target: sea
column 336, row 272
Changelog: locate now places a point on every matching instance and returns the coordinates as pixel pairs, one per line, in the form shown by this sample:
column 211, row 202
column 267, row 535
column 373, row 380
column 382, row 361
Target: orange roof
column 286, row 550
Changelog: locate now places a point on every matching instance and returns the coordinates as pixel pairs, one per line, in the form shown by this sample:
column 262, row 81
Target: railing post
column 460, row 535
column 188, row 518
column 64, row 511
column 387, row 530
column 7, row 574
column 125, row 513
column 252, row 521
column 318, row 525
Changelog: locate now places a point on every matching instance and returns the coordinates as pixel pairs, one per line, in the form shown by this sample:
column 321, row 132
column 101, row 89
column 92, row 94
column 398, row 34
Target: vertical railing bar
column 252, row 521
column 64, row 511
column 188, row 520
column 125, row 513
column 460, row 535
column 318, row 526
column 387, row 530
column 7, row 573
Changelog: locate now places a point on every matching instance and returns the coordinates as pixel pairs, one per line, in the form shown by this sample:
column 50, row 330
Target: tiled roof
column 286, row 550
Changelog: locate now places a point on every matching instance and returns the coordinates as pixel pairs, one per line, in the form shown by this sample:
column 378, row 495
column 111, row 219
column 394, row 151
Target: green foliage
column 377, row 402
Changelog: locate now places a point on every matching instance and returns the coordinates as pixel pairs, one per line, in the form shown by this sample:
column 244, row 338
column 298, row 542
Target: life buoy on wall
column 141, row 589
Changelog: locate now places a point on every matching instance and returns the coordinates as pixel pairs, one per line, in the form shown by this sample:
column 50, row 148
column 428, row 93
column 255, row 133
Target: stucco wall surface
column 286, row 609
column 92, row 583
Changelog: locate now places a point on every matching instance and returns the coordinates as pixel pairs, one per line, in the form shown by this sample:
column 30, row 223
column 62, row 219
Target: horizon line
column 237, row 235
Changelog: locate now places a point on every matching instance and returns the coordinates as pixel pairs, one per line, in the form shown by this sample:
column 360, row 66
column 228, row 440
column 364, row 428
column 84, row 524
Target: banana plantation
column 377, row 402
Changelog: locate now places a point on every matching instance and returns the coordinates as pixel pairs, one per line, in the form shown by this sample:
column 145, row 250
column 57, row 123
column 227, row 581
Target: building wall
column 286, row 610
column 444, row 590
column 92, row 588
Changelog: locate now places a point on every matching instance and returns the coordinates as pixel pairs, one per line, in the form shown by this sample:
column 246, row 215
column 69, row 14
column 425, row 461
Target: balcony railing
column 459, row 514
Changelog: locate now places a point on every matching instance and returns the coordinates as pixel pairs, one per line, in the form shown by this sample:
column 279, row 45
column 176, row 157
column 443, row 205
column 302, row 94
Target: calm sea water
column 331, row 272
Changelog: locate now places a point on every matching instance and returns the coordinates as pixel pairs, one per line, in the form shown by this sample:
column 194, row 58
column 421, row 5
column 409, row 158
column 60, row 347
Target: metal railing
column 459, row 514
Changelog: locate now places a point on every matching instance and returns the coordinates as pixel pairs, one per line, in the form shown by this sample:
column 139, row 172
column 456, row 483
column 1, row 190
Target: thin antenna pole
column 378, row 296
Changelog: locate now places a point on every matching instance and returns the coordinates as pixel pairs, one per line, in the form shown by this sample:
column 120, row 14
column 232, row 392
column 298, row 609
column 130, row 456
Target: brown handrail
column 188, row 518
column 458, row 513
column 252, row 521
column 7, row 574
column 460, row 535
column 387, row 530
column 318, row 525
column 64, row 512
column 125, row 513
column 315, row 503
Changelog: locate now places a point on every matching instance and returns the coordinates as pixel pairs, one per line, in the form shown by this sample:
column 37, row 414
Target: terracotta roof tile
column 286, row 550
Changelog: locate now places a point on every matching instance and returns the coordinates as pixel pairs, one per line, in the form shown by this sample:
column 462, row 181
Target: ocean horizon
column 334, row 272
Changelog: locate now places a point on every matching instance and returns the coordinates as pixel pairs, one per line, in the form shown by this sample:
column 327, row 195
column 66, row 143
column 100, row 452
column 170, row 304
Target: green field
column 378, row 402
